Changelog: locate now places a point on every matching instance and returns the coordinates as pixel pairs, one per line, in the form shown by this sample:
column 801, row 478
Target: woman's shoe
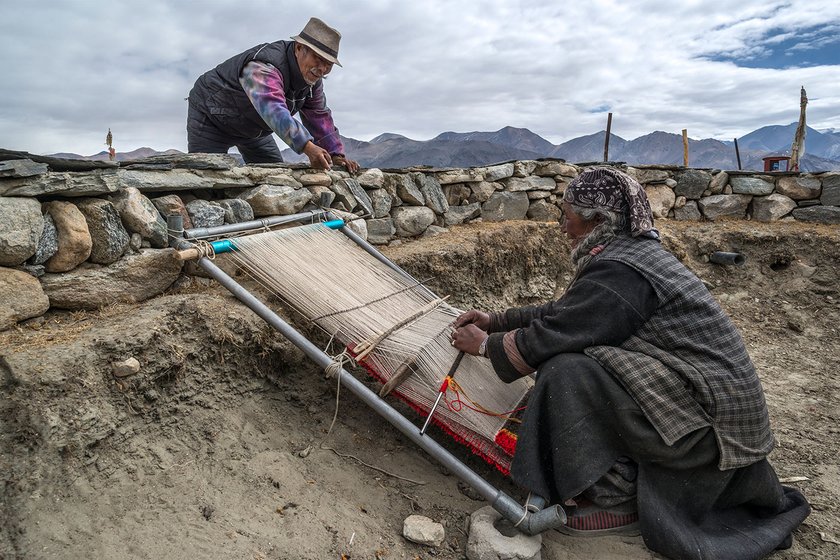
column 592, row 521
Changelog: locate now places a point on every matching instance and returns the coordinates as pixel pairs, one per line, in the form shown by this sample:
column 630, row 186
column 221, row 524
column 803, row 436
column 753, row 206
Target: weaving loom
column 359, row 301
column 390, row 323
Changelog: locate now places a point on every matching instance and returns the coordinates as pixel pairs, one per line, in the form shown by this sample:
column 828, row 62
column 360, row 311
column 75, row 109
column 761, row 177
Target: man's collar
column 298, row 82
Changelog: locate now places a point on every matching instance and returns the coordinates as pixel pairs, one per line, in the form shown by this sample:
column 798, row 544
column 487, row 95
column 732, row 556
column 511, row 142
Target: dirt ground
column 218, row 447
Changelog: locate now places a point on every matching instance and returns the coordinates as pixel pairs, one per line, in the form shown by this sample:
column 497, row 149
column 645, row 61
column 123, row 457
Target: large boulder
column 692, row 182
column 276, row 200
column 22, row 168
column 381, row 201
column 724, row 206
column 496, row 172
column 772, row 207
column 205, row 214
column 750, row 185
column 406, row 189
column 799, row 188
column 460, row 176
column 359, row 193
column 432, row 193
column 457, row 193
column 312, row 179
column 530, row 183
column 543, row 211
column 524, row 167
column 344, row 195
column 236, row 210
column 830, row 189
column 23, row 297
column 487, row 542
column 74, row 241
column 171, row 204
column 719, row 182
column 91, row 183
column 109, row 239
column 134, row 278
column 380, row 230
column 481, row 192
column 818, row 214
column 139, row 215
column 688, row 212
column 21, row 226
column 552, row 169
column 410, row 221
column 504, row 206
column 460, row 214
column 48, row 244
column 661, row 199
column 371, row 178
column 645, row 176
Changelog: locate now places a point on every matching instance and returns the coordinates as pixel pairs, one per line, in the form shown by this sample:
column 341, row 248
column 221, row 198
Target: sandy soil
column 218, row 447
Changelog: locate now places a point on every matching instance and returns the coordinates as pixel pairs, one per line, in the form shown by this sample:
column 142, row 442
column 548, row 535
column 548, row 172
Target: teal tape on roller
column 223, row 246
column 335, row 224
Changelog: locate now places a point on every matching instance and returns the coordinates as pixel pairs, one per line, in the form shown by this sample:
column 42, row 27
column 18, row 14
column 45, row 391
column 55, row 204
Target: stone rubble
column 487, row 542
column 422, row 530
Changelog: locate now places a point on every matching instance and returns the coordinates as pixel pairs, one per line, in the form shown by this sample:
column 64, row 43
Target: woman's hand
column 468, row 338
column 475, row 317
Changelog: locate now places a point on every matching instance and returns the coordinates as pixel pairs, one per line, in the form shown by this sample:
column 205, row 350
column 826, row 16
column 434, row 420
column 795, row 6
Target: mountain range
column 467, row 149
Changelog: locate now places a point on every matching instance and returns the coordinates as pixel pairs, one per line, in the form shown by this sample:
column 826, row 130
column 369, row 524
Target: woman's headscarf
column 605, row 187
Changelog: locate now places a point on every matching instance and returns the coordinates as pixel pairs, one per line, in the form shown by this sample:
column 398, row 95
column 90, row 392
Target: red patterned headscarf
column 608, row 188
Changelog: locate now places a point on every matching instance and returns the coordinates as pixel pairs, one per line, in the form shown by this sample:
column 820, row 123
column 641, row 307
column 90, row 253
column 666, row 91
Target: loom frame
column 531, row 519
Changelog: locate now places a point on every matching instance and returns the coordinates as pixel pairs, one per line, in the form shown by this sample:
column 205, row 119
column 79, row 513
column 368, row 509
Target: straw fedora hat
column 321, row 38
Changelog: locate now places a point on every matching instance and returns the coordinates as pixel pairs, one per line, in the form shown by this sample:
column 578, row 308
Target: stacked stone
column 695, row 194
column 81, row 239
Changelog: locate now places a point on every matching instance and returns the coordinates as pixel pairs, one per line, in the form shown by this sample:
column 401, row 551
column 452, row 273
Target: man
column 647, row 415
column 257, row 92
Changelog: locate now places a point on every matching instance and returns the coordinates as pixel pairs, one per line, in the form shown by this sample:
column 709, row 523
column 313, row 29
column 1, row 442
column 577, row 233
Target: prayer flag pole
column 797, row 149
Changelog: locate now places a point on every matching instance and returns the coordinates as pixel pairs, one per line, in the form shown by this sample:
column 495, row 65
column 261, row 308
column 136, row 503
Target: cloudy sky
column 72, row 70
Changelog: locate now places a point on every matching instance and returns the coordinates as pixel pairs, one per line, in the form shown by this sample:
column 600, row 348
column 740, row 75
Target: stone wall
column 76, row 235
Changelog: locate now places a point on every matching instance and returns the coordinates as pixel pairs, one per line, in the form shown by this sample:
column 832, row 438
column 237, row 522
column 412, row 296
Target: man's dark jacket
column 218, row 94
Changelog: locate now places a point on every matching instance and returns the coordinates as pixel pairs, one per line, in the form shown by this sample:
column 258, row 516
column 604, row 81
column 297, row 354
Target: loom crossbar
column 531, row 520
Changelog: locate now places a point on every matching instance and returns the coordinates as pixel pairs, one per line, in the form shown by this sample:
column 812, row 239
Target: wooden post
column 797, row 149
column 607, row 138
column 737, row 154
column 685, row 147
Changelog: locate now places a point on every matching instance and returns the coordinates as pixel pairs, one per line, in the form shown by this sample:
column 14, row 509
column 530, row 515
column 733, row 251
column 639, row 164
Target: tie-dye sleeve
column 263, row 84
column 318, row 120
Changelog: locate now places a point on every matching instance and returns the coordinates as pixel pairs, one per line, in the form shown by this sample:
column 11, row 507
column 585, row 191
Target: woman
column 647, row 414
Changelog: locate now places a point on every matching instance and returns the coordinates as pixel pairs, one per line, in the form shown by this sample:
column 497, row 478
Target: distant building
column 776, row 163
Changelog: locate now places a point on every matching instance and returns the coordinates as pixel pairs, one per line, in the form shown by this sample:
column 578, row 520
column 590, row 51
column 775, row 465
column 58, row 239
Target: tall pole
column 737, row 154
column 607, row 138
column 685, row 147
column 797, row 149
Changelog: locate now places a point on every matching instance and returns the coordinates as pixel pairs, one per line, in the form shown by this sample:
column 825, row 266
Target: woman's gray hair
column 612, row 225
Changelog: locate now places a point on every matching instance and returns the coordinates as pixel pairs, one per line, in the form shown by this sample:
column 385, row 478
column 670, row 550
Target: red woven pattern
column 498, row 455
column 506, row 440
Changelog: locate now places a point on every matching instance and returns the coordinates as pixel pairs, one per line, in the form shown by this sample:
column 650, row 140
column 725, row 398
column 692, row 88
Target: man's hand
column 478, row 318
column 319, row 158
column 351, row 165
column 468, row 338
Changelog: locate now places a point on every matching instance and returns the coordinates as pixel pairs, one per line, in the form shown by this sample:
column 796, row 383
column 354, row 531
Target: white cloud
column 72, row 70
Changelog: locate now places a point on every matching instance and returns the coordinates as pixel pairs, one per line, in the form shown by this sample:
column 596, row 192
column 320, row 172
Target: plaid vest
column 687, row 366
